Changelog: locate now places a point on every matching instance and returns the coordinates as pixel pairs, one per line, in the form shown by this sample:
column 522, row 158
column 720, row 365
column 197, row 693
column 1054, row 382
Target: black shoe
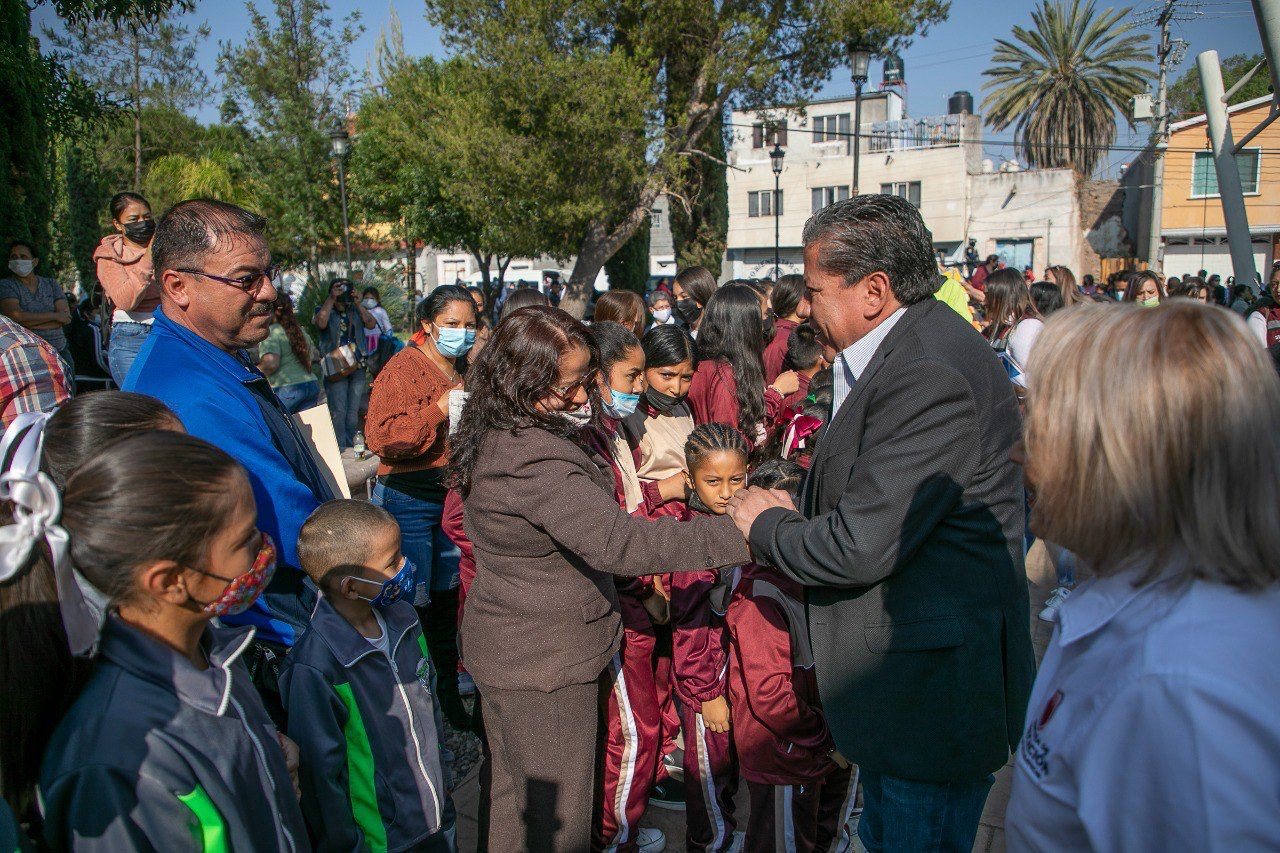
column 668, row 794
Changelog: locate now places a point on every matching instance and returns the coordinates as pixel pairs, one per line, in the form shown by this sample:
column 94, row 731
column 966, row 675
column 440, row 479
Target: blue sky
column 951, row 56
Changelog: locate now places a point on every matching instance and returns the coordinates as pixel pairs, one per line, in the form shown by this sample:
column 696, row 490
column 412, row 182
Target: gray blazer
column 909, row 540
column 549, row 537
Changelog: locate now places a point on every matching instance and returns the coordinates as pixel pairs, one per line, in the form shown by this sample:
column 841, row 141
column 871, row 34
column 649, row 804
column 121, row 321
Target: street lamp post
column 776, row 156
column 860, row 66
column 340, row 144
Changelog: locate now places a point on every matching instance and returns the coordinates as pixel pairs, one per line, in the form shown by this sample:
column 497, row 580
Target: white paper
column 316, row 426
column 457, row 399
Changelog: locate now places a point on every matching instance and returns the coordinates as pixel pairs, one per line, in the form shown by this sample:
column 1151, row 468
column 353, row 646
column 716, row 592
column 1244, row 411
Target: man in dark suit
column 909, row 534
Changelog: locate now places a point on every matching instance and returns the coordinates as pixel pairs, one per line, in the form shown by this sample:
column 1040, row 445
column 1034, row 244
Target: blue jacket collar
column 208, row 690
column 349, row 645
column 237, row 367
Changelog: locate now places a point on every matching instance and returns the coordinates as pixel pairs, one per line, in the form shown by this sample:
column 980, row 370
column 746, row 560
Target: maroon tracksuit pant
column 809, row 818
column 710, row 782
column 630, row 727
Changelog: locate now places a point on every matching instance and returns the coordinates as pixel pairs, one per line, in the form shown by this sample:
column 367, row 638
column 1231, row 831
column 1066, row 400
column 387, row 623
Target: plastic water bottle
column 357, row 444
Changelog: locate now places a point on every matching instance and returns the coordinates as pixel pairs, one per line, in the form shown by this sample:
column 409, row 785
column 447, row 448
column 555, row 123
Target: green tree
column 435, row 158
column 285, row 83
column 1186, row 98
column 628, row 269
column 585, row 83
column 137, row 62
column 1061, row 83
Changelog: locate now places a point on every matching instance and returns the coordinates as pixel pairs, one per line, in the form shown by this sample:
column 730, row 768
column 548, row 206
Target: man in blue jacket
column 217, row 290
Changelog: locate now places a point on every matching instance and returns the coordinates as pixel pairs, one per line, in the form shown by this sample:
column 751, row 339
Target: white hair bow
column 37, row 508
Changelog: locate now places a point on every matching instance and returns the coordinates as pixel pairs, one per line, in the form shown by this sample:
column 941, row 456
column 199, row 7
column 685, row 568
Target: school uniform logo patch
column 1034, row 752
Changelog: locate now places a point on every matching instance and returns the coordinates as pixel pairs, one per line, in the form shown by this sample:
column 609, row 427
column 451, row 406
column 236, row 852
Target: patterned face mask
column 243, row 590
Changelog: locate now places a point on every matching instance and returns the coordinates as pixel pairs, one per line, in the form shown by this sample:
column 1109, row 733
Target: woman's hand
column 660, row 589
column 674, row 488
column 657, row 607
column 443, row 402
column 715, row 713
column 786, row 383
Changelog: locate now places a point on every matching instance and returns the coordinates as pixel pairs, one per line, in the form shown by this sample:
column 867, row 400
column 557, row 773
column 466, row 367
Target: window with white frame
column 832, row 128
column 910, row 190
column 823, row 196
column 762, row 203
column 1204, row 177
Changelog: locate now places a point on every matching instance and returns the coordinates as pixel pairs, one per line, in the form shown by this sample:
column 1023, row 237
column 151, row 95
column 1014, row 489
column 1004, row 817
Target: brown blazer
column 549, row 537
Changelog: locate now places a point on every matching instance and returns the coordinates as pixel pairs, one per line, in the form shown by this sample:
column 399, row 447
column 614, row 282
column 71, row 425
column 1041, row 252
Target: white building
column 1028, row 217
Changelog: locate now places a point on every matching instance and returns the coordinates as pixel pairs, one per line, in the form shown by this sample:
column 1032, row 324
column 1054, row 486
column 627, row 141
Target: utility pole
column 1160, row 137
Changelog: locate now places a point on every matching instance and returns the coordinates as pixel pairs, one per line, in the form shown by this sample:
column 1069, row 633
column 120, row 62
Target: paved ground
column 990, row 832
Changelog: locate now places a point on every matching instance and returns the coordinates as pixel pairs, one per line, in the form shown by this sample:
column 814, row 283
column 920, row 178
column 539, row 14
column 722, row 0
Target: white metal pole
column 1267, row 14
column 1224, row 163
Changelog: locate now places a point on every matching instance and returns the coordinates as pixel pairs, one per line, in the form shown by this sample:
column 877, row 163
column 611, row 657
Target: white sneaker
column 650, row 839
column 1050, row 611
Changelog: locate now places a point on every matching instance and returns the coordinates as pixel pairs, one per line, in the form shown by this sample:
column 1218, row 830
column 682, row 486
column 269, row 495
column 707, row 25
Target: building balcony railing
column 905, row 134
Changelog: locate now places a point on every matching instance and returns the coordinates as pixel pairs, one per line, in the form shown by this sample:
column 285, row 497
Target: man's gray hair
column 192, row 228
column 877, row 232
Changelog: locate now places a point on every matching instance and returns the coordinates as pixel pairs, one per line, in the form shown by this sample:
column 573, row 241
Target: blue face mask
column 391, row 590
column 453, row 342
column 622, row 405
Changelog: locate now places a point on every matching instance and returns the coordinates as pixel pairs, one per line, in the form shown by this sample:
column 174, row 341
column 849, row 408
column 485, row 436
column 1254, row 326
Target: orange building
column 1191, row 221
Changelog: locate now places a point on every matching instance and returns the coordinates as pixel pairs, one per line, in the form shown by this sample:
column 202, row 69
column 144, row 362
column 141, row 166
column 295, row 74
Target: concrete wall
column 1040, row 205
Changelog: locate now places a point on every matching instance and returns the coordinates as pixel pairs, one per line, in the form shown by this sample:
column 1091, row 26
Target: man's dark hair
column 876, row 232
column 191, row 229
column 24, row 244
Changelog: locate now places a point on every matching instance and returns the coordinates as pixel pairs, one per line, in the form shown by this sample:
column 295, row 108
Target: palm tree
column 1061, row 83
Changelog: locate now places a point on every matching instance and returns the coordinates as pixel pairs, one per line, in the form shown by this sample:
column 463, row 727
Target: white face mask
column 22, row 266
column 579, row 417
column 662, row 315
column 370, row 303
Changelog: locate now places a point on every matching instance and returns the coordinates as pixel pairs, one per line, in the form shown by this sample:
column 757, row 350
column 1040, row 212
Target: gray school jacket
column 371, row 774
column 158, row 755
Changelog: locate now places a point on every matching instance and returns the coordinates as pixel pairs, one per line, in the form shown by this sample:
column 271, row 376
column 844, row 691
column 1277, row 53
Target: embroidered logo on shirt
column 1033, row 751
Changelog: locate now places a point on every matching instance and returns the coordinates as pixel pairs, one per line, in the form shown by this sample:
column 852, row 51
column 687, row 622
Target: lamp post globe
column 859, row 71
column 339, row 142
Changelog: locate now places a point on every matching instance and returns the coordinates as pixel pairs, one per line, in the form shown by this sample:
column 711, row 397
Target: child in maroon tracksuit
column 716, row 456
column 629, row 760
column 802, row 791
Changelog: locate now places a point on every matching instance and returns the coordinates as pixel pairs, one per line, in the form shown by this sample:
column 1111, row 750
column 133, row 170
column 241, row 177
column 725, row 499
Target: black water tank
column 960, row 102
column 894, row 70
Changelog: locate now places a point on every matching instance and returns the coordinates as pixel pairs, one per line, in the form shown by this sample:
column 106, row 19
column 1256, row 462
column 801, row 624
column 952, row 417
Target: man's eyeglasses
column 565, row 392
column 250, row 284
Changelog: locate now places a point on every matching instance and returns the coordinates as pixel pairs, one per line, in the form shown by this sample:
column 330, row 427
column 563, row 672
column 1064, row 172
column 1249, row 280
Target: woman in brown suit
column 542, row 617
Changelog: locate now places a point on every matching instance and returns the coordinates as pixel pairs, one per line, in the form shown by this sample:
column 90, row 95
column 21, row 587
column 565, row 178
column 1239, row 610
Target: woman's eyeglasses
column 564, row 392
column 250, row 284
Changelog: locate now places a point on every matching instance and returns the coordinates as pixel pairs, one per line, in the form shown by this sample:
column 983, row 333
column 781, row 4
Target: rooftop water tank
column 895, row 72
column 960, row 102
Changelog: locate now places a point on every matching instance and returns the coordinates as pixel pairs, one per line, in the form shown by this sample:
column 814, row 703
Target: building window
column 823, row 196
column 762, row 203
column 767, row 133
column 1204, row 178
column 833, row 128
column 910, row 190
column 655, row 218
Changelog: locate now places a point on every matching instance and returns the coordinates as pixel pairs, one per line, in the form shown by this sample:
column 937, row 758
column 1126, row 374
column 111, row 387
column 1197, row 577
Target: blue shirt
column 1152, row 723
column 853, row 359
column 224, row 400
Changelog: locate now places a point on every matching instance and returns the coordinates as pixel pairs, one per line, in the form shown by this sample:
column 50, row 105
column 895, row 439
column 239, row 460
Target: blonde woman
column 1152, row 724
column 1066, row 281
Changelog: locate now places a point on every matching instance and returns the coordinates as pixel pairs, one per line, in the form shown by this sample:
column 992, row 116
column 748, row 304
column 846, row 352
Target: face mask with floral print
column 243, row 591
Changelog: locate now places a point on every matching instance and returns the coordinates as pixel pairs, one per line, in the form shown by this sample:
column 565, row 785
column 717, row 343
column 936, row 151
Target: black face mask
column 664, row 403
column 768, row 329
column 688, row 309
column 696, row 504
column 140, row 232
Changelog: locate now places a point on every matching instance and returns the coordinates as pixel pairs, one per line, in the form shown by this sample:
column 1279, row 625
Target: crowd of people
column 761, row 532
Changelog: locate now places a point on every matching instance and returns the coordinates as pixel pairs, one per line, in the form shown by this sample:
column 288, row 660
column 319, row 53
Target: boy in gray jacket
column 358, row 688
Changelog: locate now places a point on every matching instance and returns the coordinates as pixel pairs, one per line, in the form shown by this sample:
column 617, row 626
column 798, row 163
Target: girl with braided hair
column 286, row 358
column 716, row 458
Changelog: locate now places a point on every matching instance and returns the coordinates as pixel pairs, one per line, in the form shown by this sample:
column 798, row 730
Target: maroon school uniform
column 775, row 354
column 713, row 398
column 632, row 718
column 800, row 799
column 700, row 655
